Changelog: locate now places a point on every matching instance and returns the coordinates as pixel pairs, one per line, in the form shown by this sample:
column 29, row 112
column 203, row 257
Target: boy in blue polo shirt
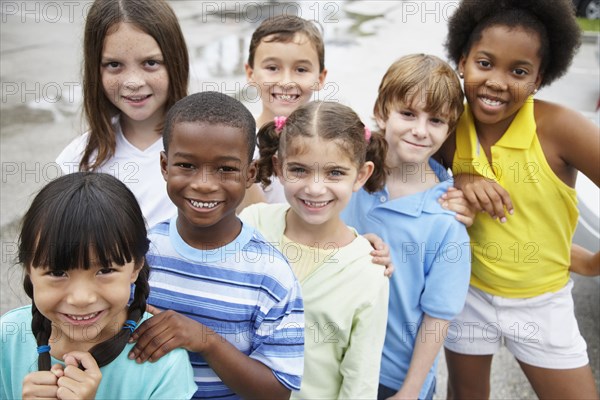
column 418, row 105
column 232, row 299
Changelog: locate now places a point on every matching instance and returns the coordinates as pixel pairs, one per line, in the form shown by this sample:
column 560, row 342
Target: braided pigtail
column 107, row 351
column 377, row 152
column 41, row 328
column 268, row 144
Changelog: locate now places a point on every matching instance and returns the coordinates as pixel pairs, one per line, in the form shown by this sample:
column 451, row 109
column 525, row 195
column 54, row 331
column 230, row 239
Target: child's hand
column 455, row 200
column 42, row 384
column 166, row 331
column 485, row 194
column 381, row 253
column 79, row 383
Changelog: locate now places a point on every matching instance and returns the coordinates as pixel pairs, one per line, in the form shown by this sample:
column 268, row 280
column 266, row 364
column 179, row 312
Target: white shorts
column 541, row 331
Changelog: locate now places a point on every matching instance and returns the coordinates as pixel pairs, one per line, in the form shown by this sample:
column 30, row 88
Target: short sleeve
column 447, row 274
column 176, row 380
column 279, row 338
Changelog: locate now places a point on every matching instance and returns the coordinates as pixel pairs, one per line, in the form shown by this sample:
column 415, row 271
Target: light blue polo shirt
column 431, row 254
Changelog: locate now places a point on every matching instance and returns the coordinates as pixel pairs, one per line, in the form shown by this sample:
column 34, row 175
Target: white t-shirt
column 138, row 169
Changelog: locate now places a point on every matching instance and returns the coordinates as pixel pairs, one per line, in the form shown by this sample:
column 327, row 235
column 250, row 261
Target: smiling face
column 86, row 307
column 207, row 172
column 286, row 74
column 500, row 71
column 134, row 76
column 413, row 134
column 319, row 179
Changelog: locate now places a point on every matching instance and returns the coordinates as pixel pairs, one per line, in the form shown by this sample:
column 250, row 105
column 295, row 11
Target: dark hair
column 157, row 19
column 421, row 75
column 211, row 108
column 329, row 121
column 77, row 221
column 283, row 28
column 554, row 21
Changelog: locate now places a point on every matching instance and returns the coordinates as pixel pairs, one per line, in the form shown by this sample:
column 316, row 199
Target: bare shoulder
column 570, row 141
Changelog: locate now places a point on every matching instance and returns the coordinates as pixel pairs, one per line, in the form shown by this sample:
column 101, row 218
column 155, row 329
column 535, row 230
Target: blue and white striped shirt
column 244, row 291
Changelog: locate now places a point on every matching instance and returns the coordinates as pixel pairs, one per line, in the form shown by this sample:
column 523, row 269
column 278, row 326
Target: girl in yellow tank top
column 517, row 159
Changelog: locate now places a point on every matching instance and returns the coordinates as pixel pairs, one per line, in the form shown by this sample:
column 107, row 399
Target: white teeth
column 199, row 204
column 82, row 317
column 286, row 97
column 491, row 102
column 315, row 204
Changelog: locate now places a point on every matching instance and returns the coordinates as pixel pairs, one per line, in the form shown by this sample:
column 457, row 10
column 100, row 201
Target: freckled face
column 134, row 76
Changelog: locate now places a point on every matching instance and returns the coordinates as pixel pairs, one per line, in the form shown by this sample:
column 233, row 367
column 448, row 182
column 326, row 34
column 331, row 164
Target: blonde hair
column 421, row 75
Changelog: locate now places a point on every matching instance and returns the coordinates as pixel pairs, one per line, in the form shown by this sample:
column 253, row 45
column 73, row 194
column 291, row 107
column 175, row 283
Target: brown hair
column 421, row 75
column 329, row 121
column 157, row 19
column 283, row 28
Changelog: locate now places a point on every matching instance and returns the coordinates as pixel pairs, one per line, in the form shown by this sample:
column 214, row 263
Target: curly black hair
column 553, row 20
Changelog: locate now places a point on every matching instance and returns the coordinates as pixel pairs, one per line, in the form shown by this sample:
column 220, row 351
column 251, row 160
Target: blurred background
column 40, row 111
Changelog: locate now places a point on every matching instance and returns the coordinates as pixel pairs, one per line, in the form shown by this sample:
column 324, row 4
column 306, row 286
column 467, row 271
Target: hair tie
column 130, row 324
column 43, row 349
column 279, row 123
column 367, row 134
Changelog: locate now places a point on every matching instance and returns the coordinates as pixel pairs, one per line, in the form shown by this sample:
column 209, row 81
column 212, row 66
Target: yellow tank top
column 529, row 254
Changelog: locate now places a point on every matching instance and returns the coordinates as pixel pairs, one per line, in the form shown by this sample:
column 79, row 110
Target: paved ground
column 39, row 112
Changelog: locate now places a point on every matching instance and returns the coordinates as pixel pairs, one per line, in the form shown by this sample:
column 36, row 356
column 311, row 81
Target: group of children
column 284, row 299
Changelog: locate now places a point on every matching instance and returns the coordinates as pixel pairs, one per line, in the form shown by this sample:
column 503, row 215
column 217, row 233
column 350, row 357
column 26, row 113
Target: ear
column 364, row 173
column 321, row 81
column 461, row 65
column 538, row 81
column 136, row 271
column 380, row 123
column 164, row 162
column 251, row 174
column 249, row 72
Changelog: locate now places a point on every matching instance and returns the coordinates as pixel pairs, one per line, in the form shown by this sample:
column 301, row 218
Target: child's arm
column 169, row 330
column 485, row 195
column 428, row 343
column 584, row 262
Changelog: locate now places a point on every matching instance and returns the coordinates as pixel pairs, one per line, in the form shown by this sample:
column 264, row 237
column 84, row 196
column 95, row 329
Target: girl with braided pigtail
column 82, row 245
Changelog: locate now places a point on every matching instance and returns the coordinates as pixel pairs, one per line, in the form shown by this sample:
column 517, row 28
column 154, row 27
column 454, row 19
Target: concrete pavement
column 40, row 48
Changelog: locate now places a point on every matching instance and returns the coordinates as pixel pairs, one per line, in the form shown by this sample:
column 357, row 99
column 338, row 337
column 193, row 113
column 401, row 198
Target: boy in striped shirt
column 227, row 295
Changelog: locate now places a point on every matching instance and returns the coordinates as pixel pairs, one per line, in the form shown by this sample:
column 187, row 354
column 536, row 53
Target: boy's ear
column 364, row 173
column 163, row 164
column 249, row 72
column 251, row 174
column 380, row 123
column 322, row 77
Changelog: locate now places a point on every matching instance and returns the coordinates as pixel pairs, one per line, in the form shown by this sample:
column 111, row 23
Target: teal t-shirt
column 171, row 377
